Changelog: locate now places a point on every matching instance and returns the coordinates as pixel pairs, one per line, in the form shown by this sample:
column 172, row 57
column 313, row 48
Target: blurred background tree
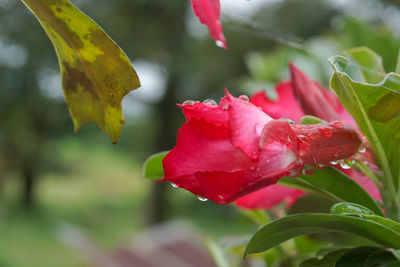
column 84, row 179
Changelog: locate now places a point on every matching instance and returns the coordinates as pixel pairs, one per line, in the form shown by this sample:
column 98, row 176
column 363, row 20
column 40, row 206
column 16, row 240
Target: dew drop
column 219, row 43
column 244, row 98
column 295, row 171
column 174, row 185
column 336, row 124
column 308, row 169
column 321, row 166
column 338, row 153
column 210, row 102
column 335, row 162
column 220, row 197
column 252, row 168
column 344, row 165
column 202, row 198
column 362, row 149
column 326, row 132
column 189, row 102
column 288, row 120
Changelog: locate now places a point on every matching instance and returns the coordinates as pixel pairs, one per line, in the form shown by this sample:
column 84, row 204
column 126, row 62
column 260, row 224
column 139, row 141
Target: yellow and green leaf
column 96, row 73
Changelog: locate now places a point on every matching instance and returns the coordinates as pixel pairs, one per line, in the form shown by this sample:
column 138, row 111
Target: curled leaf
column 96, row 73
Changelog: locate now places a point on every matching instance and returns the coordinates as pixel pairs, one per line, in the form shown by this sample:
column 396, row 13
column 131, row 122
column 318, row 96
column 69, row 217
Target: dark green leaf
column 367, row 256
column 384, row 221
column 347, row 208
column 328, row 260
column 289, row 227
column 153, row 168
column 96, row 74
column 336, row 184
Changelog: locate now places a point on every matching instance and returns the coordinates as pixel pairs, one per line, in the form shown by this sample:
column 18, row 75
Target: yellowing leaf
column 96, row 73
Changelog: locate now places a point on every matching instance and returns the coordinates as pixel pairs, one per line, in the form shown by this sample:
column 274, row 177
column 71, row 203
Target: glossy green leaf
column 376, row 109
column 96, row 74
column 367, row 256
column 347, row 208
column 384, row 221
column 338, row 185
column 328, row 260
column 289, row 227
column 153, row 168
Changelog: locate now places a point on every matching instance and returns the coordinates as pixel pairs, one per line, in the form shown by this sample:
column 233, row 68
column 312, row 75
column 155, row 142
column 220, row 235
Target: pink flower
column 229, row 150
column 209, row 13
column 296, row 98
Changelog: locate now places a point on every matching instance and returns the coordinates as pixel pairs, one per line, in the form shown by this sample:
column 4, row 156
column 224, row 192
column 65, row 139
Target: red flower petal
column 312, row 98
column 322, row 143
column 214, row 154
column 270, row 196
column 246, row 123
column 203, row 147
column 285, row 107
column 210, row 113
column 209, row 13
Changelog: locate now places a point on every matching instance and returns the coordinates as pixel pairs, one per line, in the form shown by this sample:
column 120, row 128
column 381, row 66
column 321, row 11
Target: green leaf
column 367, row 256
column 153, row 168
column 376, row 109
column 328, row 260
column 347, row 208
column 311, row 120
column 96, row 74
column 384, row 221
column 369, row 63
column 338, row 185
column 289, row 227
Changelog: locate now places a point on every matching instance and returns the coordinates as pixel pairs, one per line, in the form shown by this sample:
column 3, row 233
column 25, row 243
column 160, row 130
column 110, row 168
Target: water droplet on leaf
column 174, row 185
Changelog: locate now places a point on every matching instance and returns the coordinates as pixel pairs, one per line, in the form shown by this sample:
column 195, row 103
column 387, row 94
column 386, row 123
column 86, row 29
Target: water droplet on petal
column 288, row 120
column 338, row 153
column 219, row 43
column 362, row 149
column 210, row 102
column 189, row 102
column 344, row 165
column 308, row 169
column 326, row 132
column 335, row 162
column 202, row 198
column 336, row 124
column 321, row 166
column 244, row 98
column 220, row 197
column 174, row 185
